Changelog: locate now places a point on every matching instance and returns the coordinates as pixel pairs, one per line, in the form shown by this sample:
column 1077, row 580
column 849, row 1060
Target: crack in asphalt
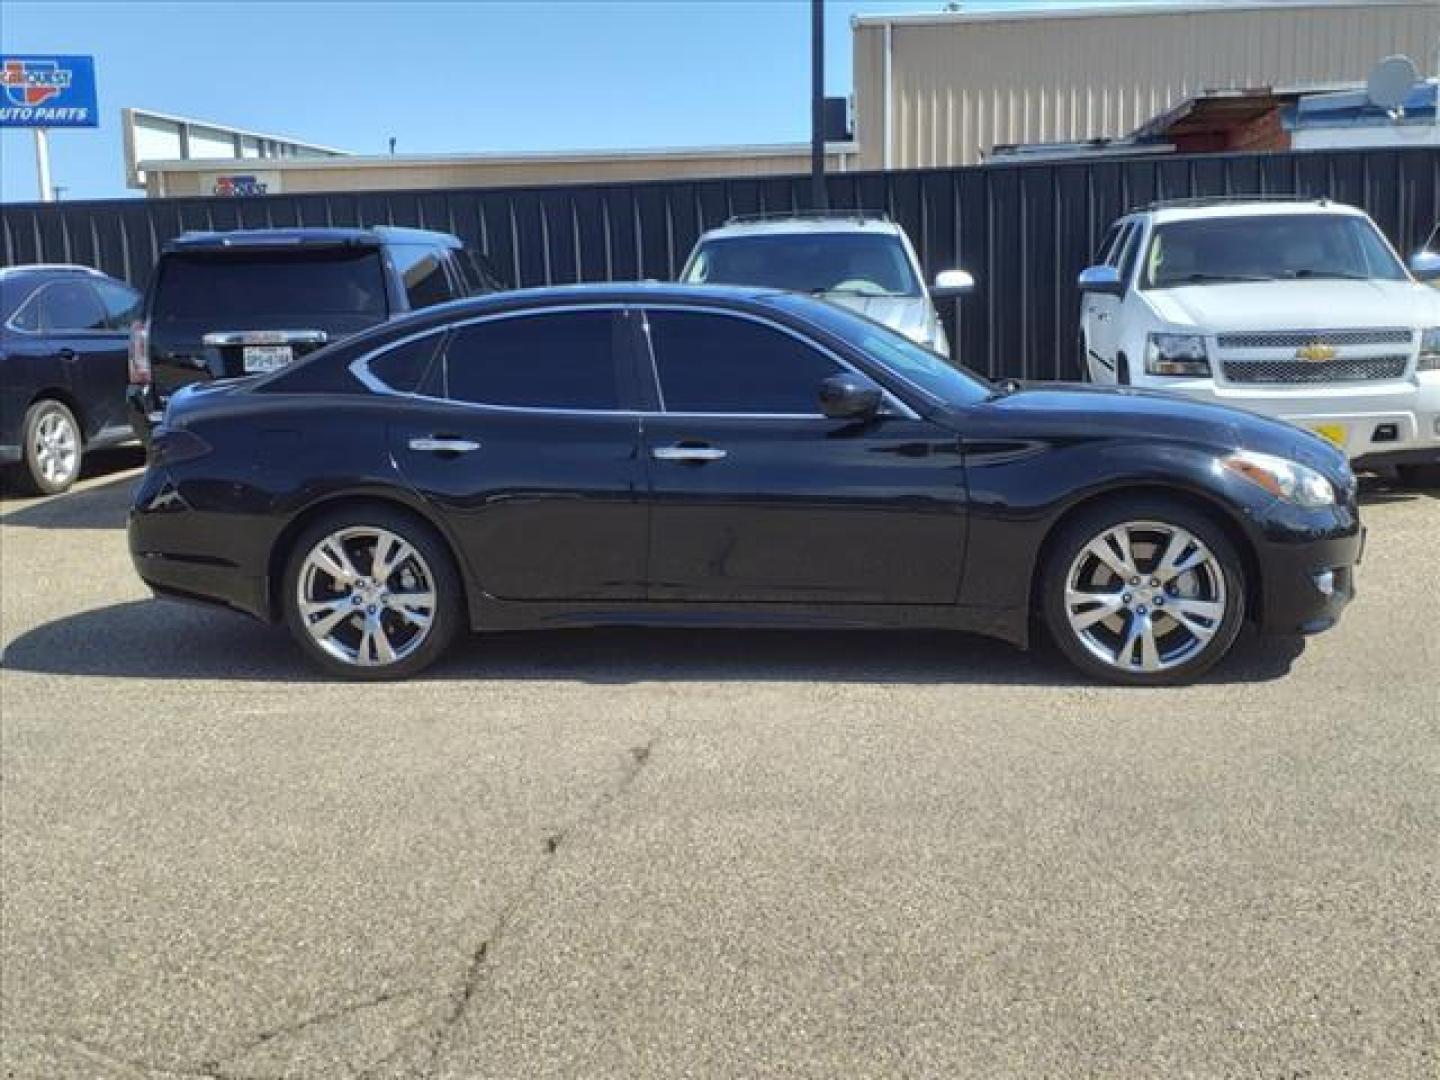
column 477, row 969
column 474, row 978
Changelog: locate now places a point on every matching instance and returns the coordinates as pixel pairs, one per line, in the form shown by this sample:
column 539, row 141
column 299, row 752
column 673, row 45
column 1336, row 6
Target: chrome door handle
column 444, row 446
column 687, row 453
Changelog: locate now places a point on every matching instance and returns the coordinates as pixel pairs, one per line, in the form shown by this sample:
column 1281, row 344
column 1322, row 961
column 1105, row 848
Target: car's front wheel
column 52, row 446
column 1143, row 590
column 372, row 593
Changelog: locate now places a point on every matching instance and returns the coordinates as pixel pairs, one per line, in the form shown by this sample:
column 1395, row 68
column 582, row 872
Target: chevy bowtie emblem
column 1317, row 352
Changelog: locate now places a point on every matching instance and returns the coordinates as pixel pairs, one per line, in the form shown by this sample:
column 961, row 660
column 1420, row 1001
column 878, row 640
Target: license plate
column 262, row 358
column 1334, row 434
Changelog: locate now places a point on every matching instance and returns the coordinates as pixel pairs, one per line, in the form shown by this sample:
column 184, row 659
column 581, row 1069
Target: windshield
column 1286, row 247
column 862, row 264
column 927, row 371
column 227, row 288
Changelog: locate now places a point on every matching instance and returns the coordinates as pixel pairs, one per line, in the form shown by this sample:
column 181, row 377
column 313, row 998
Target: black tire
column 1418, row 476
column 37, row 472
column 1086, row 375
column 446, row 618
column 1122, row 370
column 1065, row 550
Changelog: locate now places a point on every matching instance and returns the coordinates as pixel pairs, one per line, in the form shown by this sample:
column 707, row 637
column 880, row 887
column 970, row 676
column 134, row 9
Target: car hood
column 1129, row 414
column 1298, row 305
column 910, row 315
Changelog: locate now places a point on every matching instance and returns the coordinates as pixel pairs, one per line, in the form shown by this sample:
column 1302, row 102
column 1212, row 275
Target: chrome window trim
column 360, row 366
column 221, row 338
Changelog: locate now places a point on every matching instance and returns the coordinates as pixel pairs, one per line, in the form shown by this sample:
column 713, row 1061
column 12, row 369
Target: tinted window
column 724, row 364
column 122, row 304
column 859, row 263
column 20, row 299
column 911, row 362
column 71, row 305
column 404, row 367
column 423, row 271
column 1102, row 255
column 1268, row 248
column 560, row 361
column 229, row 288
column 1129, row 254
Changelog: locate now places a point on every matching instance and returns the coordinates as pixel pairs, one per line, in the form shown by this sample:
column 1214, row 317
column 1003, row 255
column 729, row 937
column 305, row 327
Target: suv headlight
column 1285, row 479
column 1176, row 354
column 1429, row 350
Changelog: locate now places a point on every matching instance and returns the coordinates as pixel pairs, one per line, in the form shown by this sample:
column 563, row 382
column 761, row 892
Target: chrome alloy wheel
column 57, row 448
column 366, row 596
column 1145, row 596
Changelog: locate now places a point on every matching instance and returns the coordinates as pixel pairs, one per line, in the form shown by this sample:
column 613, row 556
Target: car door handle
column 694, row 454
column 437, row 445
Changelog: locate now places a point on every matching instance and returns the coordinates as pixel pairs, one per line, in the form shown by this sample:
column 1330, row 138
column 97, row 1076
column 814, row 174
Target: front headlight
column 1429, row 350
column 1176, row 354
column 1285, row 479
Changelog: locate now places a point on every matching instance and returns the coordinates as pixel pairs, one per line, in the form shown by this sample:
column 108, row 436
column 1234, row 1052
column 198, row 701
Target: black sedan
column 727, row 457
column 64, row 338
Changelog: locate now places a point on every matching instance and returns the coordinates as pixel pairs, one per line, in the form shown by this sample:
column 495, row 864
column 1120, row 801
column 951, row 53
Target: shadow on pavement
column 96, row 506
column 1379, row 490
column 151, row 639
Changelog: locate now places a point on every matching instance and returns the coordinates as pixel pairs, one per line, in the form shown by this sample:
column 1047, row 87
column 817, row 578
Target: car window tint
column 423, row 271
column 403, row 367
column 26, row 302
column 724, row 364
column 1102, row 254
column 122, row 304
column 565, row 360
column 71, row 305
column 227, row 289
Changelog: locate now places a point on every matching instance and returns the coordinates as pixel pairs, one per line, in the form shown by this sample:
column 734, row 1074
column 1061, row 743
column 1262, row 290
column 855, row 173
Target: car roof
column 802, row 226
column 43, row 269
column 376, row 236
column 1201, row 210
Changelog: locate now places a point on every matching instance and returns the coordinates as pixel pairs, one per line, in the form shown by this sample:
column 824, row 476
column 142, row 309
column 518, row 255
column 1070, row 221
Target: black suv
column 62, row 369
column 229, row 304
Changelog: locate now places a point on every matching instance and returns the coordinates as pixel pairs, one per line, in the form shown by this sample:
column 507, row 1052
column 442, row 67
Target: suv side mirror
column 951, row 283
column 1425, row 265
column 850, row 397
column 1102, row 279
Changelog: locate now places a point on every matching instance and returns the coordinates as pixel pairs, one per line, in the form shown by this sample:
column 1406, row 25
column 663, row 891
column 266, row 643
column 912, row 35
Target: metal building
column 940, row 89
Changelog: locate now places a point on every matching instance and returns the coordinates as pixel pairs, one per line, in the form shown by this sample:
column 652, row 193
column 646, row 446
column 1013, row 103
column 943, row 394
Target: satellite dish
column 1391, row 81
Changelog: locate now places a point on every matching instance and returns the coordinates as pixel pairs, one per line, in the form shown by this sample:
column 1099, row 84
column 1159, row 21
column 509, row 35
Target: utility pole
column 818, row 199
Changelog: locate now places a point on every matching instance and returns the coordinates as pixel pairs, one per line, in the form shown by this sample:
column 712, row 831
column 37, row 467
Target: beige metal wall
column 963, row 84
column 359, row 174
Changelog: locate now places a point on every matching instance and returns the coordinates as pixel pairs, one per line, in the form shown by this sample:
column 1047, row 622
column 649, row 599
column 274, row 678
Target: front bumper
column 1399, row 421
column 1308, row 563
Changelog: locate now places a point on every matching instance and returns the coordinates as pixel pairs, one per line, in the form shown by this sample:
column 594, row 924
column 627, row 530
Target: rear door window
column 561, row 360
column 225, row 289
column 405, row 366
column 709, row 363
column 70, row 306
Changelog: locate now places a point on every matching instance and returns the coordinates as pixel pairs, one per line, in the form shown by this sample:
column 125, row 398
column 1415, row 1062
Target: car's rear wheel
column 372, row 593
column 1143, row 590
column 53, row 448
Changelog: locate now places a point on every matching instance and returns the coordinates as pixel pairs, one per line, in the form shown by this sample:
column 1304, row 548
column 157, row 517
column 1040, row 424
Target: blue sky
column 440, row 77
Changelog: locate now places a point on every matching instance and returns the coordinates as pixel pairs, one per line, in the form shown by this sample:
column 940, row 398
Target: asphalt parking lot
column 647, row 854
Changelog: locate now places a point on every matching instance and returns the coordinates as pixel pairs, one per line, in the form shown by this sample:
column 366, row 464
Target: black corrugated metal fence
column 1025, row 231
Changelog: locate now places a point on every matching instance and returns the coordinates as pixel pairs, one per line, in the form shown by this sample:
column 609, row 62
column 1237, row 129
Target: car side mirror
column 1425, row 265
column 952, row 283
column 850, row 397
column 1101, row 279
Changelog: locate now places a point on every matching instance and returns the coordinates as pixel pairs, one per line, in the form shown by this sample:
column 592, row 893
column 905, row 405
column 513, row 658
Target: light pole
column 817, row 105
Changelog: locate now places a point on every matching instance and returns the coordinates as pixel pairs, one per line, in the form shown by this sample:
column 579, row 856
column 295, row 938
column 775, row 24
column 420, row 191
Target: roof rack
column 1222, row 200
column 809, row 215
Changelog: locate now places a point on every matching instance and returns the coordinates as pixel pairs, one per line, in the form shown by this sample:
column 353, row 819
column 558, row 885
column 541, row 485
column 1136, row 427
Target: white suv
column 857, row 259
column 1299, row 309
